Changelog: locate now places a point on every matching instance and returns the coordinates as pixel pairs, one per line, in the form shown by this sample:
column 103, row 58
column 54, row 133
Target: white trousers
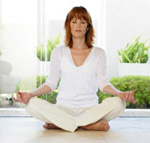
column 70, row 119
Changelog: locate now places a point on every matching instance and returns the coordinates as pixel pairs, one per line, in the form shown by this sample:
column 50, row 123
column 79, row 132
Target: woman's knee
column 32, row 104
column 120, row 103
column 117, row 102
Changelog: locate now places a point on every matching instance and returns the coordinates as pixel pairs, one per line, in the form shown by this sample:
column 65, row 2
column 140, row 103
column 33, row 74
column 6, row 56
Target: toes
column 45, row 126
column 106, row 128
column 50, row 126
column 104, row 122
column 104, row 125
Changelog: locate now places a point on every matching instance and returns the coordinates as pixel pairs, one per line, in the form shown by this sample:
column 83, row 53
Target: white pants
column 70, row 119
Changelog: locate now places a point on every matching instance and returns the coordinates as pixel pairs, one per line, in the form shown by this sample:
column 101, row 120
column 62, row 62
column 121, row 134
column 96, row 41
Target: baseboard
column 21, row 112
column 136, row 113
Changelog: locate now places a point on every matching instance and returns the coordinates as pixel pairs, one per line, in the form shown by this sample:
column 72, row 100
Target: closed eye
column 83, row 22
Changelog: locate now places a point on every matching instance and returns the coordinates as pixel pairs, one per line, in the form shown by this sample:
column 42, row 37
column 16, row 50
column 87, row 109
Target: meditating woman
column 82, row 70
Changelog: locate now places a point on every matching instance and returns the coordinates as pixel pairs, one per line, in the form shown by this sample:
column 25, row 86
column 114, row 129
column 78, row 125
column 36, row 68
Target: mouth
column 78, row 31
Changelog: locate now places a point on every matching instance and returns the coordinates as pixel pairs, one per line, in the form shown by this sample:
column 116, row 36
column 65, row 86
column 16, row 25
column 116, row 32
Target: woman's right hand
column 23, row 97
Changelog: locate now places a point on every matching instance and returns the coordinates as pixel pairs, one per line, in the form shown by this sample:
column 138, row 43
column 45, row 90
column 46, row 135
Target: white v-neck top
column 78, row 85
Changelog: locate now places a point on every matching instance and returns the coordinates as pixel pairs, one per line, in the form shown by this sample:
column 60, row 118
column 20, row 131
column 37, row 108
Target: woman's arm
column 24, row 97
column 104, row 84
column 43, row 89
column 109, row 89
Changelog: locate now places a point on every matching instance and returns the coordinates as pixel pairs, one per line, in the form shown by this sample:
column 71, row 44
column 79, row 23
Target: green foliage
column 134, row 52
column 50, row 97
column 26, row 84
column 42, row 52
column 139, row 84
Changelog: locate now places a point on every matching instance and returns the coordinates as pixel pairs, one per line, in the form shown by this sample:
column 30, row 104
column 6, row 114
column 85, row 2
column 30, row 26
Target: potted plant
column 44, row 55
column 134, row 58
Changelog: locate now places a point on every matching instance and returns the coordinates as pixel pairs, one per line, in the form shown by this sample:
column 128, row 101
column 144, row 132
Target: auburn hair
column 80, row 13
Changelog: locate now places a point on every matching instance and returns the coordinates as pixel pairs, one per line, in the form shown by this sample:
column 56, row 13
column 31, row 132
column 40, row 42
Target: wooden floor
column 29, row 130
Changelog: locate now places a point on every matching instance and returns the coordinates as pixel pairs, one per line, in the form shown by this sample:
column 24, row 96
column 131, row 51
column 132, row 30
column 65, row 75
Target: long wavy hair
column 80, row 13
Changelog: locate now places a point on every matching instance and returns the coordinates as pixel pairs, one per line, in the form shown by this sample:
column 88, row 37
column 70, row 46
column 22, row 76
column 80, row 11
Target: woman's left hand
column 127, row 96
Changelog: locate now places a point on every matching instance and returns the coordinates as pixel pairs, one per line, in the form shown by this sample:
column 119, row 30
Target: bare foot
column 50, row 126
column 101, row 125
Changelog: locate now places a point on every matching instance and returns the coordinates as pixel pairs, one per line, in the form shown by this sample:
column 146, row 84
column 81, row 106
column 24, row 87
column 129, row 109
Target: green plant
column 45, row 54
column 139, row 84
column 134, row 52
column 26, row 84
column 50, row 97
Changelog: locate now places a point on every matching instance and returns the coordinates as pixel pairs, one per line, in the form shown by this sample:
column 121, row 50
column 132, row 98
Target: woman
column 82, row 69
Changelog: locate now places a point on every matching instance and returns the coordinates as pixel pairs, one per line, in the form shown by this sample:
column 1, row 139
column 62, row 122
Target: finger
column 134, row 101
column 127, row 96
column 15, row 100
column 122, row 96
column 130, row 97
column 131, row 92
column 19, row 92
column 19, row 98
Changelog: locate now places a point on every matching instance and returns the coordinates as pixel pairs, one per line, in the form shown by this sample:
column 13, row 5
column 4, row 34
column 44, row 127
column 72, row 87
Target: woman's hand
column 127, row 96
column 23, row 97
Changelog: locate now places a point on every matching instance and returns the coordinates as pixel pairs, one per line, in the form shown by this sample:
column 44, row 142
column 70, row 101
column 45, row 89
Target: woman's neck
column 79, row 43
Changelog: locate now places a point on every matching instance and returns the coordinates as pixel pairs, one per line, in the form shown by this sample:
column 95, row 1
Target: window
column 18, row 45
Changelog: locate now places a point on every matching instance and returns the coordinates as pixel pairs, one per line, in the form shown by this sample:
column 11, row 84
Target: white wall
column 0, row 11
column 0, row 25
column 123, row 20
column 19, row 36
column 19, row 48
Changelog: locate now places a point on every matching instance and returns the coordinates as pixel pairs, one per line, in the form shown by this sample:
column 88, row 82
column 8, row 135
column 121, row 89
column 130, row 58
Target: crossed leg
column 101, row 125
column 108, row 110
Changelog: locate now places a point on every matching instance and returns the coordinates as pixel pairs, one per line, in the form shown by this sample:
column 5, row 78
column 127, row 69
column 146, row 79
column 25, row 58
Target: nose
column 78, row 24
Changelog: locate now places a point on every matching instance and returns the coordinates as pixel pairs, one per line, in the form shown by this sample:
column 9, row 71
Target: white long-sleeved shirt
column 78, row 85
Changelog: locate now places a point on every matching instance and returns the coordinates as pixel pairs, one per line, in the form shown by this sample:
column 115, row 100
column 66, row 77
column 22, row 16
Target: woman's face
column 78, row 27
